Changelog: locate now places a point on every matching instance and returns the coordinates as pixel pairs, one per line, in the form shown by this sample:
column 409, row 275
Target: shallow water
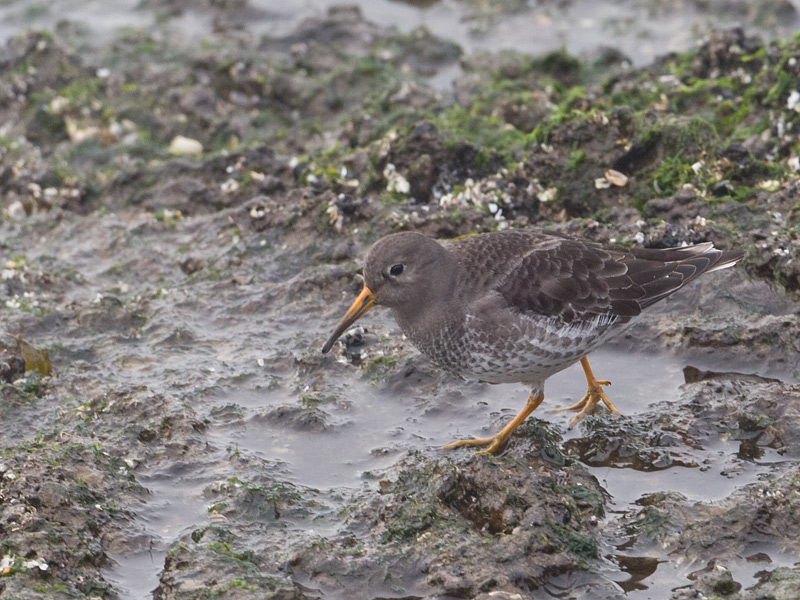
column 369, row 429
column 640, row 30
column 376, row 426
column 174, row 506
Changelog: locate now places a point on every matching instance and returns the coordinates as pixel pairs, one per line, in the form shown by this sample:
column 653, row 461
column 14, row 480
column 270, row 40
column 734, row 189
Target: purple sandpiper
column 519, row 306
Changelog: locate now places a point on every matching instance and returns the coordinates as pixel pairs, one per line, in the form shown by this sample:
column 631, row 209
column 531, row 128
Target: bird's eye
column 395, row 270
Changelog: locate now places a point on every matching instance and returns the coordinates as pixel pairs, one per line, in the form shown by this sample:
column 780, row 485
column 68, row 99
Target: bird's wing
column 662, row 271
column 577, row 279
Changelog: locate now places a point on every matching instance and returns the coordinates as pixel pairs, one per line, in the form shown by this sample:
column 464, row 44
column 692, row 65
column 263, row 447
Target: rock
column 184, row 145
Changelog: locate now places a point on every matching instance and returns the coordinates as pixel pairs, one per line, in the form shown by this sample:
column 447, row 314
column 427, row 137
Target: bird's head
column 405, row 272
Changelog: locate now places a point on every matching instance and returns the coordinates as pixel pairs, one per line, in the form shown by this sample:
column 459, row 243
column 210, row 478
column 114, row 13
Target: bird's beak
column 365, row 301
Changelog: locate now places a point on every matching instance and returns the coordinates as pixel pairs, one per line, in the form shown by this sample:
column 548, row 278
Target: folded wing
column 576, row 279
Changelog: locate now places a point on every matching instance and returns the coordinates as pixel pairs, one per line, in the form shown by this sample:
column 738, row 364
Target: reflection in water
column 639, row 568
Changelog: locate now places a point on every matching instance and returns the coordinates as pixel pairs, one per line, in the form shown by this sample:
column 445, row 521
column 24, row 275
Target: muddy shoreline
column 183, row 225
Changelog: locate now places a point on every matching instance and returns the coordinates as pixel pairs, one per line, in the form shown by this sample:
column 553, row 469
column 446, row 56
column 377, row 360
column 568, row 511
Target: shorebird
column 520, row 306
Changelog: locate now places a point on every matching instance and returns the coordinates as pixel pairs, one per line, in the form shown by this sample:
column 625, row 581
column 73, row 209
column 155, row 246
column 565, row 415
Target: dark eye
column 395, row 270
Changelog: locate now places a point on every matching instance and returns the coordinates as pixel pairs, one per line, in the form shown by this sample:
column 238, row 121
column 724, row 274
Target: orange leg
column 593, row 396
column 497, row 440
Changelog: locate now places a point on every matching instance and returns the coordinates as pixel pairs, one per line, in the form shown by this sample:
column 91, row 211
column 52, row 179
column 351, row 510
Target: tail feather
column 660, row 272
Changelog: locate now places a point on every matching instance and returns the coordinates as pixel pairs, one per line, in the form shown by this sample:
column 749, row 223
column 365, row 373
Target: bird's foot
column 593, row 396
column 586, row 405
column 492, row 443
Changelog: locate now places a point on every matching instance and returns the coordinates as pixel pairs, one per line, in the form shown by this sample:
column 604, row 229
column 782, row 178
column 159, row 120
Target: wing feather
column 576, row 279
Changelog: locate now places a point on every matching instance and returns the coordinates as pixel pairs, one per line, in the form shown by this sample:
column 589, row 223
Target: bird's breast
column 514, row 349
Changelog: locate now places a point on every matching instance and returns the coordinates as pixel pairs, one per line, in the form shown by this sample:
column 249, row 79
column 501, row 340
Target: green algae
column 496, row 143
column 582, row 547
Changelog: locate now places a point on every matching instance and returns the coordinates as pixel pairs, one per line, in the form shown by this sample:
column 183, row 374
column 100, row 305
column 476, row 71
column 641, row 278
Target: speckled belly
column 526, row 350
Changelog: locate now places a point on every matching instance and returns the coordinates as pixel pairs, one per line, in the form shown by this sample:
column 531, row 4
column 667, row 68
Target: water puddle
column 366, row 428
column 337, row 442
column 656, row 579
column 175, row 505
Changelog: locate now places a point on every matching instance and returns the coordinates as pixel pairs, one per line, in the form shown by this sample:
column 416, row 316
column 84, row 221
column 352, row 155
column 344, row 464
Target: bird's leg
column 497, row 440
column 594, row 395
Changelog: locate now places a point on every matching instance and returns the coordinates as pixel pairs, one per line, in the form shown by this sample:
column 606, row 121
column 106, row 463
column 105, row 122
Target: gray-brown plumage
column 519, row 306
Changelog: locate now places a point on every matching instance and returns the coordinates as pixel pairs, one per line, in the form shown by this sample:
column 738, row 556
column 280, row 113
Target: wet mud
column 182, row 225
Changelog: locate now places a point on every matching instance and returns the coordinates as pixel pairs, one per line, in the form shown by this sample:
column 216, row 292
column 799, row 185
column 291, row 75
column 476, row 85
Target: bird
column 517, row 306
